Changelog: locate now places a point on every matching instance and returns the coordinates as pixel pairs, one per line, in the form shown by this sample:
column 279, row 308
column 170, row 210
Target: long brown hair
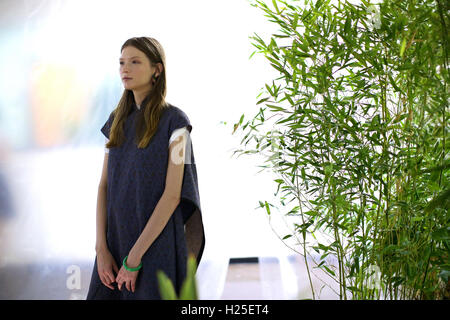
column 153, row 104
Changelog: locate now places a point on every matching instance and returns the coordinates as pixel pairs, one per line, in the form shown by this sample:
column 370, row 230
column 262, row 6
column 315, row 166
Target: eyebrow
column 131, row 57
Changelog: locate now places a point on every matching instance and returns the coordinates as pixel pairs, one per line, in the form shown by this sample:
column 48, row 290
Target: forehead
column 129, row 52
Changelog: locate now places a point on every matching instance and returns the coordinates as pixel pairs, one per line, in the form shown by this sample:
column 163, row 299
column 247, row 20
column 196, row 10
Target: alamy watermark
column 73, row 281
column 374, row 277
column 178, row 148
column 374, row 20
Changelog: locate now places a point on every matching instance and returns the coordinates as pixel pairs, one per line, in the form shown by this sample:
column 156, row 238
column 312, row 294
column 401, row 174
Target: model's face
column 135, row 70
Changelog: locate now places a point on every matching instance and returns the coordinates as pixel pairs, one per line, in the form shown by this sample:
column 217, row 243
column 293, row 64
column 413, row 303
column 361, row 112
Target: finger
column 102, row 278
column 106, row 283
column 110, row 276
column 115, row 268
column 107, row 277
column 133, row 285
column 128, row 285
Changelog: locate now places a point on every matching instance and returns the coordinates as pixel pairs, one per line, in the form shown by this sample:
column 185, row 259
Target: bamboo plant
column 356, row 129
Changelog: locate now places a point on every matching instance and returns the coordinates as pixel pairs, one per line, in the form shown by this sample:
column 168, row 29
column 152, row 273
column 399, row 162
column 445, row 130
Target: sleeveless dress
column 136, row 181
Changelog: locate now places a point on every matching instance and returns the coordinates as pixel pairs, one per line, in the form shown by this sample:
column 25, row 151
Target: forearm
column 101, row 219
column 155, row 225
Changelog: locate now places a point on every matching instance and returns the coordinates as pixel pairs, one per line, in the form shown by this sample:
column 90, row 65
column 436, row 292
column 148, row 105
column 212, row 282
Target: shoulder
column 177, row 118
column 175, row 111
column 108, row 124
column 176, row 115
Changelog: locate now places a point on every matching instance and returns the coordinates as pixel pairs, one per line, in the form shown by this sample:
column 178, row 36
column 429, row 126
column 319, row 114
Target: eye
column 134, row 61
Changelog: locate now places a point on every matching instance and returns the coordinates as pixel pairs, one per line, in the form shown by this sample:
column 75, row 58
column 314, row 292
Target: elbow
column 102, row 186
column 176, row 200
column 173, row 198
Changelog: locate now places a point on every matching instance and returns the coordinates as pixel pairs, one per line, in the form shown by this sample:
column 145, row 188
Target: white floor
column 272, row 278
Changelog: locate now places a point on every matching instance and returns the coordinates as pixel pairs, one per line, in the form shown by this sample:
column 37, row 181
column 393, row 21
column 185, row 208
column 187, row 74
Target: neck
column 139, row 96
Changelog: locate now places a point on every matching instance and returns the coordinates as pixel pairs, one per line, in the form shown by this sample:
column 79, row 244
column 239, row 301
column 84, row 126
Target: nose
column 124, row 73
column 124, row 68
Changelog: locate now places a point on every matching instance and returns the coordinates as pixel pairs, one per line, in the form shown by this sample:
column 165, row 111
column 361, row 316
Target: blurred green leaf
column 441, row 234
column 166, row 289
column 189, row 288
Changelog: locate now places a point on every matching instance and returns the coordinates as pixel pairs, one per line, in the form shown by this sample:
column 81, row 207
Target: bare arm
column 166, row 204
column 106, row 265
column 101, row 208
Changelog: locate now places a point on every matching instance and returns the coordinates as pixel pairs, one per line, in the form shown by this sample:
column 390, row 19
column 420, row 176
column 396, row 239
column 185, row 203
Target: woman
column 148, row 204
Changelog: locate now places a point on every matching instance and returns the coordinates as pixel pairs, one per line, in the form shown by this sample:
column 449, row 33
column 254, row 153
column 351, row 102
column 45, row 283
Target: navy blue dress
column 136, row 181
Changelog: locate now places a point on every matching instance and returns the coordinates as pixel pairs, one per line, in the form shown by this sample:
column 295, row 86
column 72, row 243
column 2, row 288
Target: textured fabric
column 174, row 136
column 136, row 181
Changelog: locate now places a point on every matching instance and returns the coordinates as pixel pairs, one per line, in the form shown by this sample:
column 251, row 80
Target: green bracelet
column 124, row 263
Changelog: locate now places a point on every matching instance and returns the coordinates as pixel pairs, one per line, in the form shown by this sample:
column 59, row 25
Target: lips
column 126, row 78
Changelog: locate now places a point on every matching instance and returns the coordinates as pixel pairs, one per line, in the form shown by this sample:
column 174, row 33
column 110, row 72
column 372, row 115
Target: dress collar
column 135, row 107
column 142, row 103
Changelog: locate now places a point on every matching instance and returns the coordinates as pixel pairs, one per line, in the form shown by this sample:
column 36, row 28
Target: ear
column 159, row 67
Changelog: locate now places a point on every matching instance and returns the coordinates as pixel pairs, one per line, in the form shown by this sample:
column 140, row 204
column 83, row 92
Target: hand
column 128, row 277
column 105, row 267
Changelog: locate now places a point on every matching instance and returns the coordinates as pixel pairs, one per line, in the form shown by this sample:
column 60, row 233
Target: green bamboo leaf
column 302, row 54
column 303, row 173
column 275, row 108
column 295, row 22
column 275, row 63
column 329, row 270
column 399, row 118
column 394, row 84
column 274, row 2
column 318, row 4
column 437, row 168
column 402, row 47
column 269, row 89
column 347, row 40
column 441, row 234
column 442, row 200
column 303, row 45
column 347, row 25
column 293, row 211
column 322, row 257
column 241, row 119
column 290, row 100
column 267, row 208
column 262, row 100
